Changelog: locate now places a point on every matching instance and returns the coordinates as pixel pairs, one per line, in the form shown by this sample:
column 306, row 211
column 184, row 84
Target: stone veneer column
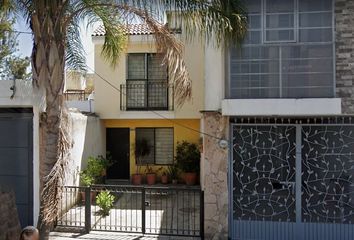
column 344, row 24
column 214, row 167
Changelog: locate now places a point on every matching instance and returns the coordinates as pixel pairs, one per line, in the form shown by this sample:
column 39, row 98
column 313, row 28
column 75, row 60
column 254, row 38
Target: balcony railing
column 75, row 95
column 140, row 95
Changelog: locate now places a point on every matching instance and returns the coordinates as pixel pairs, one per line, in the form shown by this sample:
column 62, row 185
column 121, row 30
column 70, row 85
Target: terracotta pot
column 190, row 178
column 151, row 178
column 164, row 179
column 137, row 179
column 92, row 195
column 104, row 173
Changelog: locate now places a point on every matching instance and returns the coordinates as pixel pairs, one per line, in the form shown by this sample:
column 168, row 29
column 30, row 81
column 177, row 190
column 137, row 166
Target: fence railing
column 75, row 95
column 177, row 211
column 146, row 95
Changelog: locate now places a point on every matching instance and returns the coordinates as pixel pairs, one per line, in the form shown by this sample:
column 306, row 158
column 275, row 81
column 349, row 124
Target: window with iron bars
column 147, row 85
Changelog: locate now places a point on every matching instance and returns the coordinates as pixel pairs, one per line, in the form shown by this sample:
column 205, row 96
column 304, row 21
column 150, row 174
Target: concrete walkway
column 111, row 235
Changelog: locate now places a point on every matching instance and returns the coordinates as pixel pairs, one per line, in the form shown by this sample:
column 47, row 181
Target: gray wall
column 344, row 10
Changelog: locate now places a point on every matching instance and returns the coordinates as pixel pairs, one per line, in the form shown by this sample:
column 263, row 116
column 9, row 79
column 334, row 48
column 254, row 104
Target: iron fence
column 146, row 95
column 177, row 211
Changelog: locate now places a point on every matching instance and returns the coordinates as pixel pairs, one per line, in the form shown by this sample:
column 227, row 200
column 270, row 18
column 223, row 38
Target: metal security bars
column 177, row 211
column 143, row 96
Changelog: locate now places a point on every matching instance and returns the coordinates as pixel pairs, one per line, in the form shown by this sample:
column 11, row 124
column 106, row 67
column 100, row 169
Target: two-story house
column 135, row 101
column 280, row 106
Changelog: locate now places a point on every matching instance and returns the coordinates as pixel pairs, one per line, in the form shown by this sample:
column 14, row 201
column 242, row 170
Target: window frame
column 230, row 92
column 173, row 146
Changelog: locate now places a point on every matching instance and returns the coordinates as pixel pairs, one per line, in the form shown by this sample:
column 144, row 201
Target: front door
column 117, row 144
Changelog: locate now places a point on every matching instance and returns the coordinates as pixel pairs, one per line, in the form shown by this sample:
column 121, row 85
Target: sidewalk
column 111, row 235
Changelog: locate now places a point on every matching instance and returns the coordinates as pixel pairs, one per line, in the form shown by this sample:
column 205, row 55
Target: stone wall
column 9, row 222
column 344, row 10
column 214, row 167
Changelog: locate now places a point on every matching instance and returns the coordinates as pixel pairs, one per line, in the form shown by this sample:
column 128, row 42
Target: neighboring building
column 284, row 101
column 141, row 105
column 78, row 90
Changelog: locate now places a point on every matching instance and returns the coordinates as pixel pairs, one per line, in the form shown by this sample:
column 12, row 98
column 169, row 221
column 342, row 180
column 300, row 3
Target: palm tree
column 55, row 29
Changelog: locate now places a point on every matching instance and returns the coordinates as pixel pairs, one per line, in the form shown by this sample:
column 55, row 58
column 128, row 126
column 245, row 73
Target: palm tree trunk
column 48, row 58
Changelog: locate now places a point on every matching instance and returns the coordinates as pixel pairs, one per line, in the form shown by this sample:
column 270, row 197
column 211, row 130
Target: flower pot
column 137, row 179
column 92, row 196
column 150, row 178
column 164, row 179
column 190, row 178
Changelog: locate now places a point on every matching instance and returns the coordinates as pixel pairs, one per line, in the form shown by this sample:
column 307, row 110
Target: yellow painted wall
column 107, row 99
column 180, row 133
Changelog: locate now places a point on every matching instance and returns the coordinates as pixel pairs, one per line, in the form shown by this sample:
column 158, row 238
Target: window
column 288, row 51
column 160, row 141
column 147, row 82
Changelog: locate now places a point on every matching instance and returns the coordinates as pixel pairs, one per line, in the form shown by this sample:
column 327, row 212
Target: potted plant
column 173, row 173
column 105, row 201
column 164, row 178
column 106, row 162
column 188, row 160
column 150, row 175
column 86, row 180
column 142, row 149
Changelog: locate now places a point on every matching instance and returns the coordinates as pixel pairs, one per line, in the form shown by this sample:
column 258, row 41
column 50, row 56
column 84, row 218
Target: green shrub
column 105, row 201
column 86, row 179
column 188, row 156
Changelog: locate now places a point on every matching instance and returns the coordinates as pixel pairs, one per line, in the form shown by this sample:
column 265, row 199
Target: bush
column 105, row 201
column 188, row 157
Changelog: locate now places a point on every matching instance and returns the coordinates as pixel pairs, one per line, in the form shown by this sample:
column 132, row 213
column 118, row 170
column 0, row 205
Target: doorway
column 117, row 140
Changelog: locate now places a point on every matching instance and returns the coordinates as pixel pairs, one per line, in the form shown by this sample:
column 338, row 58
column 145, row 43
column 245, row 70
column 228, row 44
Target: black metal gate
column 159, row 210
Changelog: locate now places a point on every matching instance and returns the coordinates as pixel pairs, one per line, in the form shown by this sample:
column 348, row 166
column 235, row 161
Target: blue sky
column 25, row 41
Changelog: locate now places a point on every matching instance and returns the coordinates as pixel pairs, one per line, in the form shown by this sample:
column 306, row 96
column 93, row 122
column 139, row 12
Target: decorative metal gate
column 293, row 179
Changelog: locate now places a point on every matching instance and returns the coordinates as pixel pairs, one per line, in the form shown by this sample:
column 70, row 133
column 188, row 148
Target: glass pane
column 144, row 145
column 156, row 70
column 254, row 22
column 280, row 21
column 316, row 35
column 253, row 37
column 136, row 94
column 308, row 51
column 164, row 145
column 264, row 173
column 136, row 66
column 252, row 6
column 280, row 6
column 328, row 174
column 279, row 35
column 315, row 19
column 315, row 5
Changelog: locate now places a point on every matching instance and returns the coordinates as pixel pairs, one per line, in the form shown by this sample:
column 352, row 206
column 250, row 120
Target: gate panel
column 293, row 181
column 264, row 200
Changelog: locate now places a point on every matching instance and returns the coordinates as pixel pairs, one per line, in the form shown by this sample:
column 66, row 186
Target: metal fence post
column 143, row 211
column 202, row 214
column 88, row 209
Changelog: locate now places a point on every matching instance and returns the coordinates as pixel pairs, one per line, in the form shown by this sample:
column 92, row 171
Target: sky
column 25, row 41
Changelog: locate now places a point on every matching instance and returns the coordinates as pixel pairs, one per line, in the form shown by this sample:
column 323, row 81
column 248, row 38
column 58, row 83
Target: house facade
column 135, row 100
column 280, row 164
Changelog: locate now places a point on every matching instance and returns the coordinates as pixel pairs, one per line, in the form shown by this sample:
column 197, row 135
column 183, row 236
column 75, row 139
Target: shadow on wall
column 88, row 139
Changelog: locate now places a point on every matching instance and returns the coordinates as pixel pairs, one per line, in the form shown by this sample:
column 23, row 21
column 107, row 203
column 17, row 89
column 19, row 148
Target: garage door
column 293, row 180
column 16, row 160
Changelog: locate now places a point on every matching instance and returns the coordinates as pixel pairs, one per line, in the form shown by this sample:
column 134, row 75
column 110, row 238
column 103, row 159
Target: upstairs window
column 288, row 51
column 147, row 82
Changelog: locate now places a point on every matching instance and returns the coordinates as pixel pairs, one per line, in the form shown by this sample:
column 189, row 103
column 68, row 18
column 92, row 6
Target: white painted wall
column 84, row 106
column 214, row 78
column 281, row 107
column 88, row 138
